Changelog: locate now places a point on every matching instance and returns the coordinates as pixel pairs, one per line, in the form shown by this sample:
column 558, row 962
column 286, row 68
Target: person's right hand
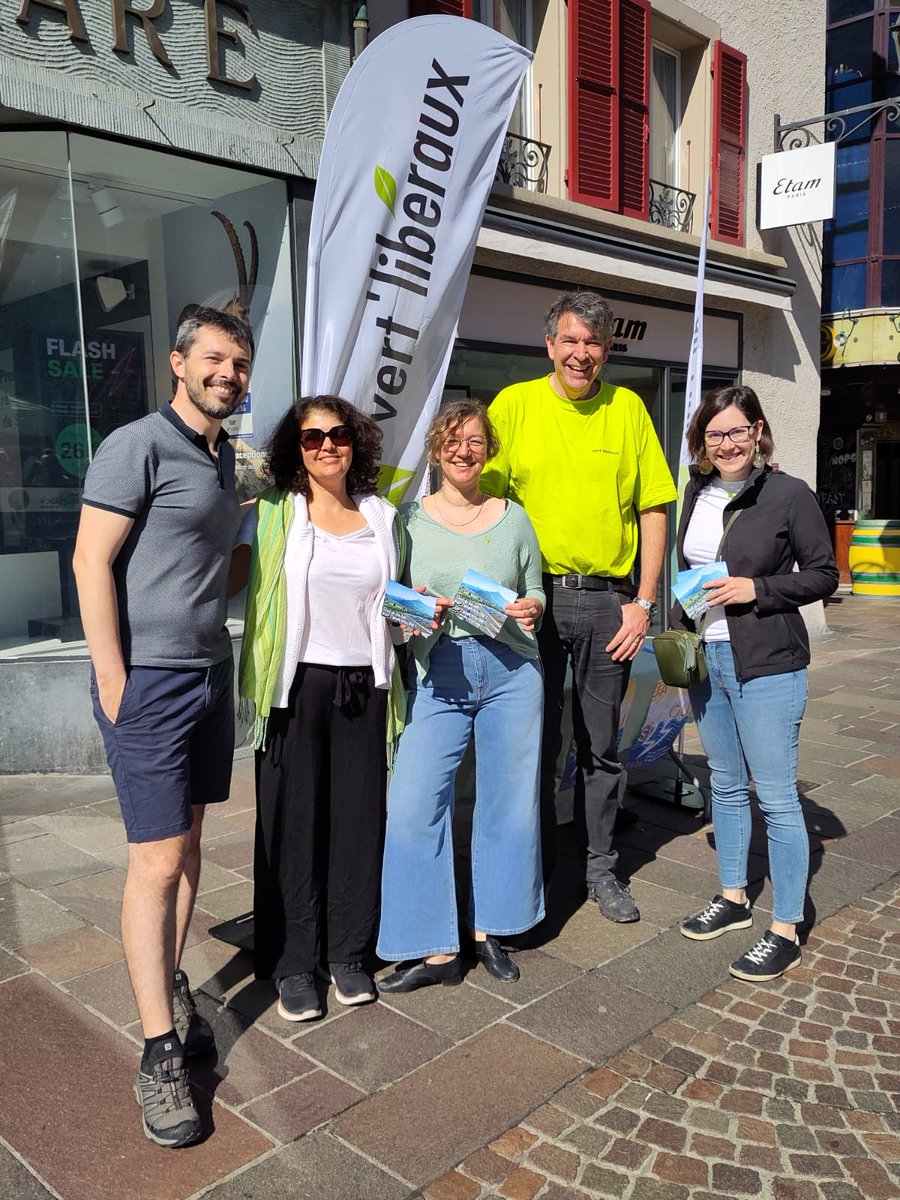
column 441, row 604
column 110, row 696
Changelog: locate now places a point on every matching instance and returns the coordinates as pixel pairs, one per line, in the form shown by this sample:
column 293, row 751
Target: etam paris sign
column 797, row 186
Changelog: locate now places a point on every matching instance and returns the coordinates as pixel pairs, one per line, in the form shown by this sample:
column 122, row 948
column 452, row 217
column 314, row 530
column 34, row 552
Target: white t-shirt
column 344, row 574
column 701, row 541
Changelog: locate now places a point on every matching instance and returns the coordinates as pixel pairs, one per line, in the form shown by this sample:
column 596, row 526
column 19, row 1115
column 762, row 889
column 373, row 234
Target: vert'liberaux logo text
column 404, row 262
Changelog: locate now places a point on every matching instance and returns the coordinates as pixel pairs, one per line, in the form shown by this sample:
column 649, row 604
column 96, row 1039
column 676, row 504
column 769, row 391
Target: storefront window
column 103, row 247
column 41, row 411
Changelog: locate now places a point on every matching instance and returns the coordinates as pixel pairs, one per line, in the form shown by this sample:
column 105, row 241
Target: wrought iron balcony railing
column 671, row 206
column 523, row 163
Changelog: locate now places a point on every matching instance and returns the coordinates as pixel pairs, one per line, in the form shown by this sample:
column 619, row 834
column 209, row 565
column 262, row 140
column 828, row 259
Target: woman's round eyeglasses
column 739, row 435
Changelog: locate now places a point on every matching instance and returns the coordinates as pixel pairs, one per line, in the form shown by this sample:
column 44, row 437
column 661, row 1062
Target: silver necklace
column 458, row 524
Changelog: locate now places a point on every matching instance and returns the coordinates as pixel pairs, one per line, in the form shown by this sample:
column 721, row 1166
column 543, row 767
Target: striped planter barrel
column 875, row 558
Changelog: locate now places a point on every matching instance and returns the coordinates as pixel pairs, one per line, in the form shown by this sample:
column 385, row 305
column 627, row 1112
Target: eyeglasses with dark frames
column 738, row 436
column 314, row 439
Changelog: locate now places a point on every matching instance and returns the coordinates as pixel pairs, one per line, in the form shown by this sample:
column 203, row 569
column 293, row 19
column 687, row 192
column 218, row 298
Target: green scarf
column 265, row 622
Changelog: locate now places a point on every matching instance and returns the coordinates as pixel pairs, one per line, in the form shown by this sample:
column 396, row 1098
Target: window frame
column 656, row 44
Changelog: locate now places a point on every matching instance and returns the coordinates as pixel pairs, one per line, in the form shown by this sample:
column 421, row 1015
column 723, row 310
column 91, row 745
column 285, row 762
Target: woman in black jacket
column 748, row 711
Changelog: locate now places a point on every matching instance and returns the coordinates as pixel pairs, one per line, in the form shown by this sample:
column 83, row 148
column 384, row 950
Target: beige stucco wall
column 786, row 75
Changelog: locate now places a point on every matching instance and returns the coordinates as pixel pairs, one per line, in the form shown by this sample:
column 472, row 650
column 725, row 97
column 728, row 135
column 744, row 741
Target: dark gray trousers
column 577, row 627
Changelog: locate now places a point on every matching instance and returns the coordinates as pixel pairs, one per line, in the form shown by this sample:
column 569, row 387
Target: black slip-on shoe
column 423, row 974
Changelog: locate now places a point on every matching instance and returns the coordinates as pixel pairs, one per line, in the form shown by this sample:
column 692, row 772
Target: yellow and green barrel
column 875, row 558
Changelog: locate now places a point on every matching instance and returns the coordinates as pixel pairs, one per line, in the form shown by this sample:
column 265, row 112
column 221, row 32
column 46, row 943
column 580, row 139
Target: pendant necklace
column 455, row 524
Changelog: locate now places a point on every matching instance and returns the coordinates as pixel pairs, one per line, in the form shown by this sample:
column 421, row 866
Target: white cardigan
column 380, row 517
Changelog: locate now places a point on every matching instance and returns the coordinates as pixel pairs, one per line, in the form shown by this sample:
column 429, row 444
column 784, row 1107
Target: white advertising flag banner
column 797, row 186
column 409, row 157
column 694, row 386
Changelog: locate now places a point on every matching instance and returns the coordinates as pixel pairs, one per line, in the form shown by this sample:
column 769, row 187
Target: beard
column 211, row 406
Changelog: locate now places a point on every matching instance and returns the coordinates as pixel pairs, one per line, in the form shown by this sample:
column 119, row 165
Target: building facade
column 859, row 436
column 150, row 160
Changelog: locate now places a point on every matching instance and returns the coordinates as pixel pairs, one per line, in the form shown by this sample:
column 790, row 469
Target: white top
column 344, row 574
column 298, row 555
column 701, row 541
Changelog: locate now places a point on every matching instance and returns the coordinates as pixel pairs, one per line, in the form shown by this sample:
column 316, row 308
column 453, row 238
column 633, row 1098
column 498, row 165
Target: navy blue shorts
column 171, row 747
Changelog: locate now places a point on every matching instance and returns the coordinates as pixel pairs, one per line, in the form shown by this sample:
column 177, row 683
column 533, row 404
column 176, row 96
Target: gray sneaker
column 169, row 1115
column 614, row 900
column 193, row 1030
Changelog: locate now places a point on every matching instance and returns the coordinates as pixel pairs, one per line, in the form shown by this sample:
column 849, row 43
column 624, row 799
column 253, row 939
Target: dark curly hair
column 284, row 460
column 717, row 401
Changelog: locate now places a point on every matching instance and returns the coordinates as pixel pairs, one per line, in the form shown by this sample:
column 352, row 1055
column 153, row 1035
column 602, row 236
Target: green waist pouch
column 680, row 657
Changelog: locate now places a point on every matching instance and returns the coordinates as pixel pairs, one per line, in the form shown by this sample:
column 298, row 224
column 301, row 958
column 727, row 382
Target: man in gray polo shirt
column 158, row 524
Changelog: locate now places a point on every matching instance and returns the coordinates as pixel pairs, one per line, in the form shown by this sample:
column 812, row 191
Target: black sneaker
column 352, row 984
column 193, row 1030
column 298, row 999
column 169, row 1115
column 614, row 900
column 770, row 957
column 717, row 918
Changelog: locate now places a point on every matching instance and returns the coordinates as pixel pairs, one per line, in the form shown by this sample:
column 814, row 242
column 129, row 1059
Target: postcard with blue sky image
column 687, row 587
column 480, row 602
column 408, row 607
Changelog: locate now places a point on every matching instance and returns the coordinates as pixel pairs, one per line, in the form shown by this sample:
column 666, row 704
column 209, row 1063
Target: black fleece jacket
column 780, row 524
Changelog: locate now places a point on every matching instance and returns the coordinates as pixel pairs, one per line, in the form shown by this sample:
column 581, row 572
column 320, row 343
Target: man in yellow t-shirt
column 583, row 459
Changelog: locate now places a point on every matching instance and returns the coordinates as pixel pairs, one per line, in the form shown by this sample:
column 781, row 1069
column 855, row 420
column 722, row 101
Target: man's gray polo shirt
column 172, row 571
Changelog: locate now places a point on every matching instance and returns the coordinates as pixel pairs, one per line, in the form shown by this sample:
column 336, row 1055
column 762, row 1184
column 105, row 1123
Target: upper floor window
column 509, row 17
column 665, row 115
column 513, row 19
column 861, row 244
column 622, row 87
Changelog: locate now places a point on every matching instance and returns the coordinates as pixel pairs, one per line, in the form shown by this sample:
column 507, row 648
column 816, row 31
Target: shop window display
column 102, row 247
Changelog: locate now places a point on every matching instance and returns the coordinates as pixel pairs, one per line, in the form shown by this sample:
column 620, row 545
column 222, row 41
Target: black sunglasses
column 314, row 439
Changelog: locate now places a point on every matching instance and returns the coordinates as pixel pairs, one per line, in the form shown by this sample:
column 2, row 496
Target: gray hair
column 233, row 327
column 588, row 307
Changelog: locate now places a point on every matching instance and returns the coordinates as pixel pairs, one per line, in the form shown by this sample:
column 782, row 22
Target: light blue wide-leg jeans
column 749, row 730
column 471, row 683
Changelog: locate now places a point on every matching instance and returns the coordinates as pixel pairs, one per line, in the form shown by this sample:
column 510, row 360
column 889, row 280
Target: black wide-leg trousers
column 320, row 815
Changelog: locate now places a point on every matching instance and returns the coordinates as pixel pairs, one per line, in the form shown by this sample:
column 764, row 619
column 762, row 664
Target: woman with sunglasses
column 316, row 667
column 464, row 681
column 748, row 711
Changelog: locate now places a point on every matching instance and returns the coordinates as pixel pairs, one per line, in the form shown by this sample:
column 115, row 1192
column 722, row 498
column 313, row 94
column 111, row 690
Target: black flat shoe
column 423, row 974
column 496, row 961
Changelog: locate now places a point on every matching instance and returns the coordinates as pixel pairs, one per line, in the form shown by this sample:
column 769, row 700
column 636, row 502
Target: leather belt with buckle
column 592, row 583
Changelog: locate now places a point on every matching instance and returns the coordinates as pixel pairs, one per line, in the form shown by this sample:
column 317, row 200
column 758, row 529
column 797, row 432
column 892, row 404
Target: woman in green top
column 465, row 680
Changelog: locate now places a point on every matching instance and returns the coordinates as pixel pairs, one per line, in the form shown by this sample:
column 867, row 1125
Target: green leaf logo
column 385, row 187
column 393, row 482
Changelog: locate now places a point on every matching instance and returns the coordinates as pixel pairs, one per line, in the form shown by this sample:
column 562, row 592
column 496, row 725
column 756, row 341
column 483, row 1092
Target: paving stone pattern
column 623, row 1064
column 789, row 1091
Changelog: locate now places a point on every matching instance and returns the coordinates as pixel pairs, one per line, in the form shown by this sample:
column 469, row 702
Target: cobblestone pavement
column 789, row 1091
column 625, row 1063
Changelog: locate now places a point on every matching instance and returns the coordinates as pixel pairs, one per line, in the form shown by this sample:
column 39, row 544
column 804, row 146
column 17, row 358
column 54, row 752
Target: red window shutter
column 594, row 102
column 451, row 8
column 634, row 106
column 729, row 173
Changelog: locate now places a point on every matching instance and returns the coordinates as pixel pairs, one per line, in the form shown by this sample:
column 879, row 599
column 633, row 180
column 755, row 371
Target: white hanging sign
column 797, row 186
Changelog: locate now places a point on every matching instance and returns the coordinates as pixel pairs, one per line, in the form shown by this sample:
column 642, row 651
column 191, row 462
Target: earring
column 759, row 458
column 705, row 466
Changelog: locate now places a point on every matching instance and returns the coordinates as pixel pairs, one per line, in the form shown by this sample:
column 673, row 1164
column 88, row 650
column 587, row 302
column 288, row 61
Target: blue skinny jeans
column 749, row 730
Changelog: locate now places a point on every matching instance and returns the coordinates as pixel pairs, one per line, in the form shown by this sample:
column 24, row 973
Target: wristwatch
column 648, row 606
